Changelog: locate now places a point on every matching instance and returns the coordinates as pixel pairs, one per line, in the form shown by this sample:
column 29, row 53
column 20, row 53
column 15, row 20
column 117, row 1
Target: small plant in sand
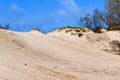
column 115, row 47
column 35, row 29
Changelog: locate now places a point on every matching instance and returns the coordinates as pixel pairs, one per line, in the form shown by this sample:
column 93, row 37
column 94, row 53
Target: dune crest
column 107, row 41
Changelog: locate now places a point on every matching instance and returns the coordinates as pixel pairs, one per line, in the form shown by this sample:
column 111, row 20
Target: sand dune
column 58, row 56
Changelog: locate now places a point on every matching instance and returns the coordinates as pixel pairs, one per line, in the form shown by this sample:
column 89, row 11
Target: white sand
column 56, row 56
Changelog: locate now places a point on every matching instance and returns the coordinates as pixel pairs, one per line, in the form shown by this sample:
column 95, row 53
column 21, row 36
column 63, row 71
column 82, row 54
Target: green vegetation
column 7, row 27
column 113, row 7
column 101, row 19
column 74, row 31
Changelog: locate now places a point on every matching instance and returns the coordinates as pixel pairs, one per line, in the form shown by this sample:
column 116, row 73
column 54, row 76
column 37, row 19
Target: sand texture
column 59, row 56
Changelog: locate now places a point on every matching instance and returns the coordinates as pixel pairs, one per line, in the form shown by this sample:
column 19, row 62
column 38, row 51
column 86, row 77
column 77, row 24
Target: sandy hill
column 59, row 56
column 108, row 41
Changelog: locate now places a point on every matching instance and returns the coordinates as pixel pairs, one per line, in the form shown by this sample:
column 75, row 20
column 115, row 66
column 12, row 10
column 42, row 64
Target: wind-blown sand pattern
column 59, row 56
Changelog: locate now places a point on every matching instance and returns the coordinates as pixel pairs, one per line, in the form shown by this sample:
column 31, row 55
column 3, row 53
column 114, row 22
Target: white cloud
column 70, row 5
column 62, row 12
column 16, row 8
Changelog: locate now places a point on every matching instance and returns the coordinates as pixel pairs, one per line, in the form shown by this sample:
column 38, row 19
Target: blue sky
column 45, row 14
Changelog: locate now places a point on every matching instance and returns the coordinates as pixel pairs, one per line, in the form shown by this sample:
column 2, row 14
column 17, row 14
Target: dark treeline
column 7, row 26
column 110, row 18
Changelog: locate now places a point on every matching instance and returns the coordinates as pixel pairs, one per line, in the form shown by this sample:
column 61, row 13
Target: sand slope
column 35, row 56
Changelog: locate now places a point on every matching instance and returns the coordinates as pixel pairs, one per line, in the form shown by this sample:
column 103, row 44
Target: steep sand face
column 35, row 56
